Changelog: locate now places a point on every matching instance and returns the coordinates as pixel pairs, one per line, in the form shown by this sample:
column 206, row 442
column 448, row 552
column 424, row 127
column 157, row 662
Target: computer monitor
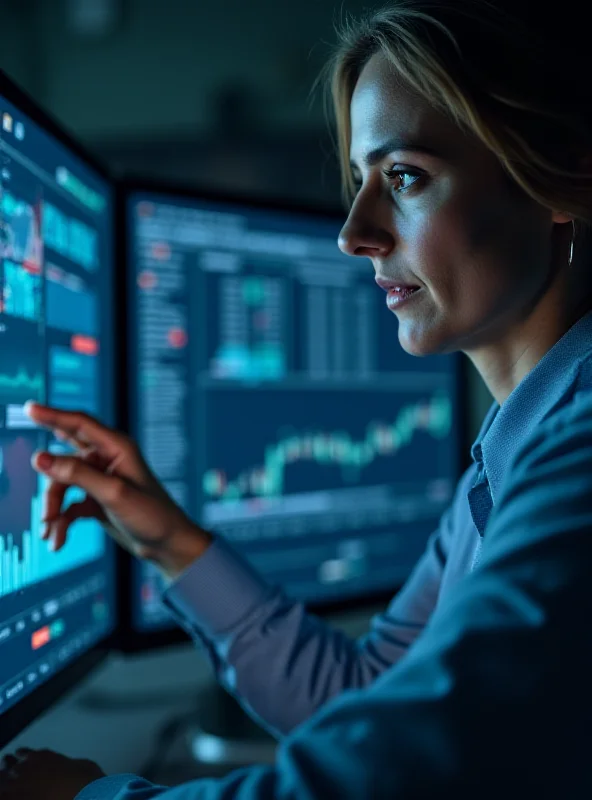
column 56, row 340
column 270, row 395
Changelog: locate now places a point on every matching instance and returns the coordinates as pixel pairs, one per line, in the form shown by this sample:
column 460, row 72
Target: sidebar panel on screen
column 56, row 318
column 275, row 402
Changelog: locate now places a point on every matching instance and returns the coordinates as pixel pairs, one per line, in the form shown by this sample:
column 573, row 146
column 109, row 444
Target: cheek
column 437, row 235
column 439, row 251
column 472, row 252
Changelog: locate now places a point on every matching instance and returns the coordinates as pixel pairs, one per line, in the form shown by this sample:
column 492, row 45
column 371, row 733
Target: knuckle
column 67, row 469
column 118, row 490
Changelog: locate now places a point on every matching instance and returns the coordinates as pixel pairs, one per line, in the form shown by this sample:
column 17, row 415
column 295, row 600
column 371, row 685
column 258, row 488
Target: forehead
column 384, row 107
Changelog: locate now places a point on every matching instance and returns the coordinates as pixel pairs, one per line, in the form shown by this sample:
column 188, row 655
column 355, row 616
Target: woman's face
column 435, row 210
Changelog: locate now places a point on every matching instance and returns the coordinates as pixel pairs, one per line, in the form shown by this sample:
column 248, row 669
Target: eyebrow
column 374, row 156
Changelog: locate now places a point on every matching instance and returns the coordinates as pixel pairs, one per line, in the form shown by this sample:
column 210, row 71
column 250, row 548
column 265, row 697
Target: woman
column 464, row 151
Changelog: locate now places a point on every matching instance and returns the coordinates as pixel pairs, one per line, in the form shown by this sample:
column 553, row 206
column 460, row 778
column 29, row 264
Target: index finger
column 78, row 426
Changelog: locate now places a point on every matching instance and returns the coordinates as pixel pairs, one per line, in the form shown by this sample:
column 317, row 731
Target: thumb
column 109, row 490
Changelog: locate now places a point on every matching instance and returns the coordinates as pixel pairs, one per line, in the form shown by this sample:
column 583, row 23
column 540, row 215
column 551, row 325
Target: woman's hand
column 121, row 492
column 45, row 775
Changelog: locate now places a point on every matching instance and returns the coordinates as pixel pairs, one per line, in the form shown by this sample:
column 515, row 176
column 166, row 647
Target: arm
column 496, row 696
column 264, row 647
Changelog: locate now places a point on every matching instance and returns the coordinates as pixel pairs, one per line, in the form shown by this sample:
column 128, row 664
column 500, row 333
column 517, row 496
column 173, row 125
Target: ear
column 561, row 217
column 585, row 164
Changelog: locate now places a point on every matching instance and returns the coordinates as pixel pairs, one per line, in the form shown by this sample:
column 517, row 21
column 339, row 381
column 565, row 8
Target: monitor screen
column 56, row 309
column 274, row 401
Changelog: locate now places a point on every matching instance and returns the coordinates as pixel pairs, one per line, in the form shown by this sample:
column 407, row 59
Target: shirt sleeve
column 264, row 646
column 496, row 694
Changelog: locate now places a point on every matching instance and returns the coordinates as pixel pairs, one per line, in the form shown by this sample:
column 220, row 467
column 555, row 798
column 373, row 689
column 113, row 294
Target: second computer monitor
column 271, row 396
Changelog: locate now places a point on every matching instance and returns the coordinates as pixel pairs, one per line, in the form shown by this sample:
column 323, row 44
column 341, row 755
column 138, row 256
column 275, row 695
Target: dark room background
column 216, row 93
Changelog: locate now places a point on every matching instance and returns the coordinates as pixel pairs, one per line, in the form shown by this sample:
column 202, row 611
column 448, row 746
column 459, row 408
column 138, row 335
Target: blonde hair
column 495, row 75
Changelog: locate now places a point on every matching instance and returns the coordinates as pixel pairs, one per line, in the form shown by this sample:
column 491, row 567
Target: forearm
column 264, row 647
column 272, row 650
column 284, row 664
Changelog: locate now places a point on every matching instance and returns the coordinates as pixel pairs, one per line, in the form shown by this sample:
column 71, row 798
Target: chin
column 418, row 345
column 422, row 346
column 428, row 335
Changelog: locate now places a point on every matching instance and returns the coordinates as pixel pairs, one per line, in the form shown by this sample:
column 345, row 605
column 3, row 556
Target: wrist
column 181, row 550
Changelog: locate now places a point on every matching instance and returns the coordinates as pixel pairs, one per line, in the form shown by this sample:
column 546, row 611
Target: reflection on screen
column 274, row 400
column 55, row 309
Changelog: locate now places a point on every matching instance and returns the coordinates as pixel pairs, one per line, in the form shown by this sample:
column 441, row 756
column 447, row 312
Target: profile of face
column 435, row 209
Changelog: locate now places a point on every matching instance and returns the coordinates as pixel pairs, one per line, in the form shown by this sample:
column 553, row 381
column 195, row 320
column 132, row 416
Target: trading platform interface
column 274, row 401
column 55, row 322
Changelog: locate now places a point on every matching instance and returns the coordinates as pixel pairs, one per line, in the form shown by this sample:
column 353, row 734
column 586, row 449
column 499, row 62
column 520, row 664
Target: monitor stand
column 223, row 734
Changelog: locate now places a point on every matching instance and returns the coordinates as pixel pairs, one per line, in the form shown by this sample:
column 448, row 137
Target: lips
column 390, row 285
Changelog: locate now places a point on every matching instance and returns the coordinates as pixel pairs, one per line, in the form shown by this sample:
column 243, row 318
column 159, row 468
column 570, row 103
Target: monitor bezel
column 17, row 718
column 130, row 640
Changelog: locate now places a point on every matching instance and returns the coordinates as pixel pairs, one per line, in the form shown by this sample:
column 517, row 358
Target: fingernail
column 45, row 460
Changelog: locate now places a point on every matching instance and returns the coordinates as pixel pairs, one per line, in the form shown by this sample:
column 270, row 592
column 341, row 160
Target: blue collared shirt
column 264, row 646
column 495, row 696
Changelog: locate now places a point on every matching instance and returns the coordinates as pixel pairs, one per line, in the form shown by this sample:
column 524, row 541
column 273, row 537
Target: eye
column 393, row 173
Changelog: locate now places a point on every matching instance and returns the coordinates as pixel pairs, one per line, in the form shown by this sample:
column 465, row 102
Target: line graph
column 307, row 455
column 22, row 372
column 20, row 385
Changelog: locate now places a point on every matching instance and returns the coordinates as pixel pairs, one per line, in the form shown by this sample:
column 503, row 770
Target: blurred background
column 216, row 93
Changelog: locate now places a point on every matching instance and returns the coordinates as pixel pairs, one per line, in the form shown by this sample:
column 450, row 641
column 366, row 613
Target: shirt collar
column 506, row 427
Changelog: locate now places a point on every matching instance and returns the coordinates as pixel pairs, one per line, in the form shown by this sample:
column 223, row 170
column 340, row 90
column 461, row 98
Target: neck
column 505, row 362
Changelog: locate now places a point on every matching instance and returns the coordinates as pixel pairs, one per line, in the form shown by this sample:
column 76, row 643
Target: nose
column 363, row 235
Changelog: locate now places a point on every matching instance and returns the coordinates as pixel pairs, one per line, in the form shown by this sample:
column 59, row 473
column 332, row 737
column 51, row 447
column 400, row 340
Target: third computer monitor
column 271, row 396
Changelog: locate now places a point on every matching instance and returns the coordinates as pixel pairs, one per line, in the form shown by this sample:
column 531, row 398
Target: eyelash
column 393, row 172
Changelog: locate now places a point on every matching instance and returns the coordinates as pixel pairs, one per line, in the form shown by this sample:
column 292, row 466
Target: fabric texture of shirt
column 264, row 646
column 495, row 696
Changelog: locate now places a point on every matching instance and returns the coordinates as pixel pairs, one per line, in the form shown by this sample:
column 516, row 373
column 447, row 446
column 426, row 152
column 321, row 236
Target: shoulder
column 570, row 421
column 559, row 448
column 540, row 527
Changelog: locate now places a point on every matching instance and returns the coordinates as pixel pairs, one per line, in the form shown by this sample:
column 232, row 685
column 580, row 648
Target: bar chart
column 22, row 292
column 25, row 558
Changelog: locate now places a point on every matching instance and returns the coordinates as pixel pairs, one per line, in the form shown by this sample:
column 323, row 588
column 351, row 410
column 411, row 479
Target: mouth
column 397, row 292
column 391, row 285
column 395, row 298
